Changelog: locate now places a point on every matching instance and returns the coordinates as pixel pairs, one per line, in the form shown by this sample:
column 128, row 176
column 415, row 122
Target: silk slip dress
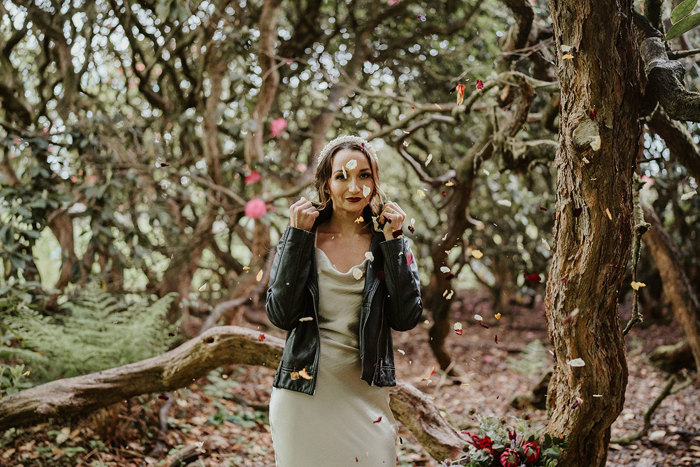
column 335, row 426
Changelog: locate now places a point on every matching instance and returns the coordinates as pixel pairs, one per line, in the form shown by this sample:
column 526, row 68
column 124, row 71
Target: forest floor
column 211, row 419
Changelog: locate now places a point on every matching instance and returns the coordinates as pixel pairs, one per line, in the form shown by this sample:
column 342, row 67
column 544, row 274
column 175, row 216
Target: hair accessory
column 345, row 139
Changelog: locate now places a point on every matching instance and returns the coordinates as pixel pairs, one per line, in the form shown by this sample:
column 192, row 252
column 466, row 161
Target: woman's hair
column 324, row 170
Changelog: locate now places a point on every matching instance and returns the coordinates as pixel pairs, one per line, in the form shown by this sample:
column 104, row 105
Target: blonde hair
column 324, row 170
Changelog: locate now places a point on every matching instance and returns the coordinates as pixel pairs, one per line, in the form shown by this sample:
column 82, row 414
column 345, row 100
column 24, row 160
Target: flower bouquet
column 497, row 444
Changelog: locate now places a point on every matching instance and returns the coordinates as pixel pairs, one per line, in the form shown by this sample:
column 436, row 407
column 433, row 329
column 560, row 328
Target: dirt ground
column 222, row 418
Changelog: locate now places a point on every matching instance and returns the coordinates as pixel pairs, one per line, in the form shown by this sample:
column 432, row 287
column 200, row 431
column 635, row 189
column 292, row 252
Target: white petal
column 444, row 269
column 351, row 164
column 504, row 202
column 366, row 191
column 687, row 196
column 576, row 362
column 369, row 255
column 356, row 273
column 478, row 318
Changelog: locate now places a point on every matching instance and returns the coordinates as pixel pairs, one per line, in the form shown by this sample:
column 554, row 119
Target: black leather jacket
column 391, row 300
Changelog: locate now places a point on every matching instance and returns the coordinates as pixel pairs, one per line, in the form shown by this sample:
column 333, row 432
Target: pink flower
column 393, row 2
column 532, row 452
column 510, row 458
column 255, row 208
column 253, row 177
column 277, row 126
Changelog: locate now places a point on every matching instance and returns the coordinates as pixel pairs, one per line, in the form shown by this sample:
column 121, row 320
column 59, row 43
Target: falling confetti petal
column 357, row 273
column 378, row 420
column 504, row 202
column 478, row 317
column 402, row 352
column 261, row 337
column 450, row 183
column 577, row 362
column 306, row 318
column 460, row 94
column 305, row 375
column 409, row 259
column 477, row 254
column 421, row 193
column 533, row 277
column 479, row 84
column 430, row 374
column 636, row 285
column 366, row 191
column 444, row 269
column 421, row 17
column 458, row 328
column 351, row 164
column 568, row 57
column 359, row 220
column 497, row 316
column 259, row 276
column 427, row 161
column 687, row 196
column 369, row 255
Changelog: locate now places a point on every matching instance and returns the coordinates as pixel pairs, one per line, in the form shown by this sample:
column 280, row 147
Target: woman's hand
column 302, row 214
column 394, row 216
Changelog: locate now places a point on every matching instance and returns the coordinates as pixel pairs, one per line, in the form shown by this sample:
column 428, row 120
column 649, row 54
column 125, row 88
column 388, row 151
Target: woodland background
column 561, row 194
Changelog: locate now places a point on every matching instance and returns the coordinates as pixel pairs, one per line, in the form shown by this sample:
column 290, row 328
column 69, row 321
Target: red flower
column 479, row 84
column 532, row 452
column 481, row 443
column 253, row 177
column 255, row 208
column 510, row 458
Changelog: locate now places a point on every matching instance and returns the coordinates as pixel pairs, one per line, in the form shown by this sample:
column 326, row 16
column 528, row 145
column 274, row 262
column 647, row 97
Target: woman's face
column 351, row 188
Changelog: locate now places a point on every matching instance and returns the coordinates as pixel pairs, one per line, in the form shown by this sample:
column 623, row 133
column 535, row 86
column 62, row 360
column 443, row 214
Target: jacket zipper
column 379, row 335
column 364, row 325
column 318, row 335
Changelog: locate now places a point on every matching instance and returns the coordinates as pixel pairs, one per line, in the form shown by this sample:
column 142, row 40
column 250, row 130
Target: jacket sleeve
column 403, row 284
column 288, row 275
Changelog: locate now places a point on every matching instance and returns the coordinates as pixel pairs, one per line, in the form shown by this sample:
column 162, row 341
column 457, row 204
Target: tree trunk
column 677, row 288
column 593, row 226
column 223, row 345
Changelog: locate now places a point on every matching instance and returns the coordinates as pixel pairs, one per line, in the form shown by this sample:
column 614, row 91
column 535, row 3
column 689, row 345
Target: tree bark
column 675, row 282
column 223, row 345
column 593, row 226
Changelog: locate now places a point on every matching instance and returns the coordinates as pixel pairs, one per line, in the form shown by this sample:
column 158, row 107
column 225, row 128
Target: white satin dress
column 336, row 425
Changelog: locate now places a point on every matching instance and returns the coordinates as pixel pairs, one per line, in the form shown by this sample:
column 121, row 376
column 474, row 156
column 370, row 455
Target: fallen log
column 223, row 345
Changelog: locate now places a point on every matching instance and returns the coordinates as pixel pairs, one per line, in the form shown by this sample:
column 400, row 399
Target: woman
column 343, row 276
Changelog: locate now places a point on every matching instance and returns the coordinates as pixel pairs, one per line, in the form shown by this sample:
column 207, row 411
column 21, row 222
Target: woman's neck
column 345, row 224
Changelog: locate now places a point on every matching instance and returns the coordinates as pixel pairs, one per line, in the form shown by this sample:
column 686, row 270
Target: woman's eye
column 365, row 175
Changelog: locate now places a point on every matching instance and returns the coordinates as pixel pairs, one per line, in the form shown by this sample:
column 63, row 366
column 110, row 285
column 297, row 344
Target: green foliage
column 531, row 360
column 682, row 20
column 99, row 331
